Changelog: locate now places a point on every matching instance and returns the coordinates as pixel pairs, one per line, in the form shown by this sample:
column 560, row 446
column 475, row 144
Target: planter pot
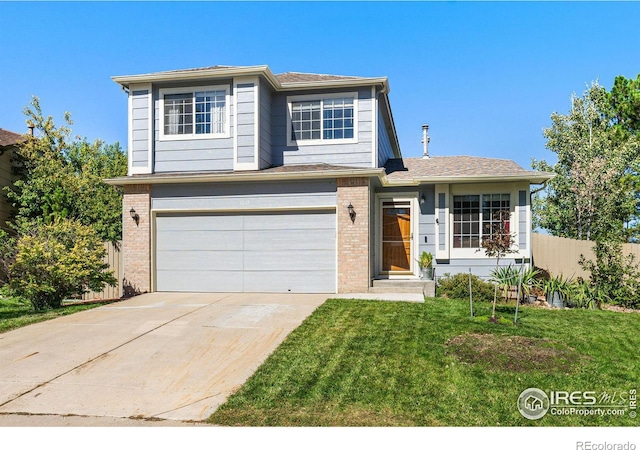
column 531, row 298
column 556, row 300
column 426, row 273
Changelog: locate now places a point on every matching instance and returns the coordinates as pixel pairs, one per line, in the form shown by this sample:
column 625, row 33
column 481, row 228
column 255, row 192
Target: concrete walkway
column 160, row 356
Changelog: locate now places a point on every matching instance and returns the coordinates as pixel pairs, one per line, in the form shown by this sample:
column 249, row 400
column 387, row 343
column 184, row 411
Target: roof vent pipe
column 31, row 126
column 425, row 141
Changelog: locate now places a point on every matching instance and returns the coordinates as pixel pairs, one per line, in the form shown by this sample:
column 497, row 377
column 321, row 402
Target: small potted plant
column 426, row 266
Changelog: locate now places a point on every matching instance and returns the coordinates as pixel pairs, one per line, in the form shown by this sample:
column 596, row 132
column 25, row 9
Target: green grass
column 368, row 363
column 16, row 313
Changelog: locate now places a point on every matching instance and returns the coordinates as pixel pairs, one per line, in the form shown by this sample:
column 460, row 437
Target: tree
column 593, row 195
column 58, row 260
column 498, row 244
column 62, row 178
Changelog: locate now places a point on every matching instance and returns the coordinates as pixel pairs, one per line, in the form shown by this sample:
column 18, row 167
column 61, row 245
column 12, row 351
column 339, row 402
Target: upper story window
column 475, row 217
column 329, row 119
column 191, row 113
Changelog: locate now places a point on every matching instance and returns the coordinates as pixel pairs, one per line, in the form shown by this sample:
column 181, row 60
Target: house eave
column 227, row 72
column 200, row 74
column 244, row 176
column 537, row 178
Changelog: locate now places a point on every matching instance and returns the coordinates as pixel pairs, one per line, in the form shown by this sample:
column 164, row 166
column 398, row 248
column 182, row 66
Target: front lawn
column 16, row 313
column 372, row 363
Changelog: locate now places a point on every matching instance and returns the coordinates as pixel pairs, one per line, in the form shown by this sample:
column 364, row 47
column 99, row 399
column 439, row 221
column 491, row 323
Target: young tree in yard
column 497, row 243
column 58, row 260
column 592, row 196
column 62, row 178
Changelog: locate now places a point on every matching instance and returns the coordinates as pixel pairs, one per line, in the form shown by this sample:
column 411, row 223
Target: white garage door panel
column 180, row 261
column 199, row 281
column 265, row 252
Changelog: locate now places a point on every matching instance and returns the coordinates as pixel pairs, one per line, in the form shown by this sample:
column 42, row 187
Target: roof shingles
column 452, row 166
column 9, row 138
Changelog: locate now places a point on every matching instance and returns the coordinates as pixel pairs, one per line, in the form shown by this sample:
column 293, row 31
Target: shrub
column 58, row 260
column 616, row 276
column 457, row 286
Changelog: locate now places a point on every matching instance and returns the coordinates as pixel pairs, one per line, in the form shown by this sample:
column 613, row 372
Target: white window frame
column 321, row 97
column 193, row 135
column 473, row 253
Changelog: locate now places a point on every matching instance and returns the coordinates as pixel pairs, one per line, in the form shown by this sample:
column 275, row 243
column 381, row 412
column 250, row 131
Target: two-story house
column 245, row 181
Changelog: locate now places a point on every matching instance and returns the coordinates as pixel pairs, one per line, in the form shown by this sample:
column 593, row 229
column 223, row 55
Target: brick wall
column 353, row 237
column 136, row 238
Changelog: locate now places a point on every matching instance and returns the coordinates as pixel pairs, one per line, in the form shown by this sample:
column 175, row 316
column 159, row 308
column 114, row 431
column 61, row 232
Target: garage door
column 261, row 252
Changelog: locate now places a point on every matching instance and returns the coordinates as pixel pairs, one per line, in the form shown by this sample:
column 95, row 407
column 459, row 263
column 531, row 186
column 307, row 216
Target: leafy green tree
column 593, row 194
column 58, row 260
column 62, row 177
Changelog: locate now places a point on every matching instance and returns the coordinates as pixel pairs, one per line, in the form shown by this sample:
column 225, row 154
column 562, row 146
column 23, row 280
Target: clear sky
column 485, row 76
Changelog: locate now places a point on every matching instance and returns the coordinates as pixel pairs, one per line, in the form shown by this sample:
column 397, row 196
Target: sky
column 486, row 77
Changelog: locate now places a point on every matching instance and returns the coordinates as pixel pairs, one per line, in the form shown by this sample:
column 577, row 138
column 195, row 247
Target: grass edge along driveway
column 372, row 363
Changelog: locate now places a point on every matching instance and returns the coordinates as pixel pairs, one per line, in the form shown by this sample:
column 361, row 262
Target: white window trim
column 478, row 253
column 321, row 97
column 193, row 89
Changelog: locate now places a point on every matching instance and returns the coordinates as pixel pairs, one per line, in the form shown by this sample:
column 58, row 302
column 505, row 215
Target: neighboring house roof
column 459, row 169
column 8, row 138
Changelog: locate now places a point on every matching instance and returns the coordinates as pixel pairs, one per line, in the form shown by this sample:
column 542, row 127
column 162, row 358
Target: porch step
column 427, row 288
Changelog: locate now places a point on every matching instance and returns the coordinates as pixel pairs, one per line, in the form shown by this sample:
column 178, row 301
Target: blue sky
column 485, row 76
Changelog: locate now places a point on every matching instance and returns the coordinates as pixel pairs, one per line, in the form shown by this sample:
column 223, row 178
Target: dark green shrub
column 457, row 286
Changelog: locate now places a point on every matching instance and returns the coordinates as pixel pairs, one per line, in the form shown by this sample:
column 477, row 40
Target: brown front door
column 396, row 236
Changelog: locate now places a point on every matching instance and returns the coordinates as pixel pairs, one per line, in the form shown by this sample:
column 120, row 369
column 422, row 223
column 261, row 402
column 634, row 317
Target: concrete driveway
column 156, row 356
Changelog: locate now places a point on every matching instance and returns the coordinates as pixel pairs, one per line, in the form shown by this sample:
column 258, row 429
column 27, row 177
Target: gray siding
column 480, row 267
column 263, row 252
column 192, row 155
column 239, row 196
column 385, row 151
column 140, row 128
column 265, row 126
column 246, row 119
column 442, row 219
column 427, row 220
column 358, row 155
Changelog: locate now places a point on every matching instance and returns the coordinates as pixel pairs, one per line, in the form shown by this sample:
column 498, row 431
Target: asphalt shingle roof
column 452, row 166
column 9, row 138
column 299, row 77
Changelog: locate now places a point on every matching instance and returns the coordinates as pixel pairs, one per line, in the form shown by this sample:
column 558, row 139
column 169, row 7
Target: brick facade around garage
column 353, row 236
column 136, row 239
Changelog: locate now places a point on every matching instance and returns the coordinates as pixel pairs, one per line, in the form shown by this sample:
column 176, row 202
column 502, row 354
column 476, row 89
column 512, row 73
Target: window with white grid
column 305, row 120
column 476, row 217
column 331, row 118
column 337, row 118
column 198, row 114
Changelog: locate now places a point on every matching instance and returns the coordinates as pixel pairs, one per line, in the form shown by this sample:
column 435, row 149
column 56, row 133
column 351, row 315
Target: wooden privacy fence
column 560, row 255
column 113, row 257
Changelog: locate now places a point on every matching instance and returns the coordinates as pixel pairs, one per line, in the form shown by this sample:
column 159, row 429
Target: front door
column 396, row 237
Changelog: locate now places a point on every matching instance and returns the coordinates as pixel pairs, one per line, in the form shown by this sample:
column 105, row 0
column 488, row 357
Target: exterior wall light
column 423, row 199
column 352, row 212
column 134, row 216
